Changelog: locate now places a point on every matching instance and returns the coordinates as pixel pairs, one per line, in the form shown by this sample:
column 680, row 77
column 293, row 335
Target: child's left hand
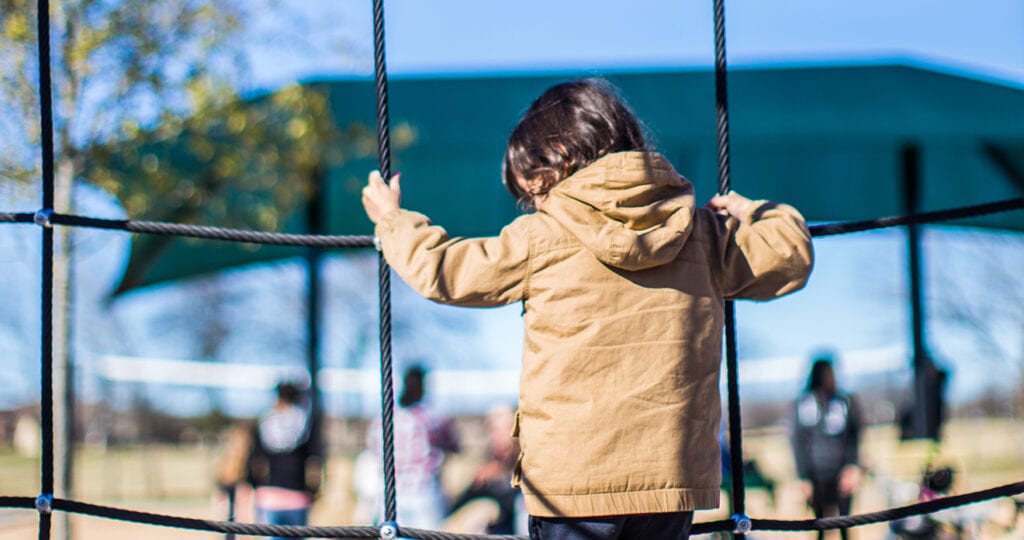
column 379, row 198
column 731, row 204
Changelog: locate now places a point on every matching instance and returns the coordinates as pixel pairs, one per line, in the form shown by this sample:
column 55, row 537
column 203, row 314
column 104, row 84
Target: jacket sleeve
column 476, row 272
column 766, row 255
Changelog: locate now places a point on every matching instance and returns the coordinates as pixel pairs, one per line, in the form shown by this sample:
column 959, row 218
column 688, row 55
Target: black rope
column 7, row 501
column 215, row 233
column 737, row 493
column 316, row 240
column 16, row 217
column 721, row 100
column 197, row 231
column 891, row 514
column 298, row 531
column 46, row 348
column 384, row 272
column 213, row 525
column 832, row 229
column 45, row 100
column 709, row 527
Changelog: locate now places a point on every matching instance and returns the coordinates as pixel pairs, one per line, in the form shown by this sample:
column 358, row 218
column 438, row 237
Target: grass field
column 178, row 481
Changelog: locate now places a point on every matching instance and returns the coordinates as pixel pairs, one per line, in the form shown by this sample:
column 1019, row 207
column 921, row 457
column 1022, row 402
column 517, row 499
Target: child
column 622, row 278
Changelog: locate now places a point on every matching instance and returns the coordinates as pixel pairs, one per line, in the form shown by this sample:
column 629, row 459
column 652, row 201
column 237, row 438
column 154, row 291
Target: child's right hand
column 731, row 204
column 379, row 199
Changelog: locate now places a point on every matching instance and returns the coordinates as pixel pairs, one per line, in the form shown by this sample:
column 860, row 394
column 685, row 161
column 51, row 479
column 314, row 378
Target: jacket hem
column 655, row 501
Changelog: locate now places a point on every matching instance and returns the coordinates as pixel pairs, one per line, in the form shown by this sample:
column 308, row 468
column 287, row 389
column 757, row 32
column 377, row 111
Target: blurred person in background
column 826, row 439
column 489, row 504
column 285, row 466
column 232, row 489
column 423, row 440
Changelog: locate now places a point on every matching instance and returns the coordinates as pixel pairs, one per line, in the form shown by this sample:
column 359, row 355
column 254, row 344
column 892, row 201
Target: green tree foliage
column 147, row 107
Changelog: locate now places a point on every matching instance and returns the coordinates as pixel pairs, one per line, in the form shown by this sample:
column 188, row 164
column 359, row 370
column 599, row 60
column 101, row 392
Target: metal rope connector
column 742, row 524
column 42, row 217
column 388, row 530
column 44, row 503
column 376, row 244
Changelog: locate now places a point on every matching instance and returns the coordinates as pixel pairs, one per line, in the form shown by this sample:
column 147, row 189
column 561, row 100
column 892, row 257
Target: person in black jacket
column 825, row 438
column 285, row 465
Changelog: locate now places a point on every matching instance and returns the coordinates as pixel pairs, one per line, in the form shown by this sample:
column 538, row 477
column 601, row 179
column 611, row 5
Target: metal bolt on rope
column 742, row 523
column 42, row 217
column 388, row 530
column 44, row 503
column 376, row 244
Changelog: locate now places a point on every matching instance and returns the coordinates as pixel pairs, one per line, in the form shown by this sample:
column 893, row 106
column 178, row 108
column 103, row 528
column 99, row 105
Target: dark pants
column 827, row 502
column 673, row 526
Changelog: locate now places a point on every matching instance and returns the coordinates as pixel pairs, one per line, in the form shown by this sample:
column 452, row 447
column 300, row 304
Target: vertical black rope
column 384, row 278
column 724, row 186
column 721, row 100
column 46, row 358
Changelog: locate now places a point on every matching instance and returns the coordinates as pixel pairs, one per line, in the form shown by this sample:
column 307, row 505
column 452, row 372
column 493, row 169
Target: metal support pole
column 929, row 382
column 314, row 256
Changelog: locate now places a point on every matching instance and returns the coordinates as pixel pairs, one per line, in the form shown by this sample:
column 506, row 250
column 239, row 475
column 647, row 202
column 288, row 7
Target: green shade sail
column 825, row 139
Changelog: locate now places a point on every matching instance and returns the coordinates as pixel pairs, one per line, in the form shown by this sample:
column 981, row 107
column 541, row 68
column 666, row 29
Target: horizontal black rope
column 196, row 524
column 830, row 229
column 16, row 217
column 709, row 527
column 17, row 502
column 321, row 240
column 293, row 531
column 891, row 514
column 198, row 231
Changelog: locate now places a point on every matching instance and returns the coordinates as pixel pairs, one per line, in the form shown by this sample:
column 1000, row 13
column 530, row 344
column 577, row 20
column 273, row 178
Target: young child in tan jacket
column 623, row 278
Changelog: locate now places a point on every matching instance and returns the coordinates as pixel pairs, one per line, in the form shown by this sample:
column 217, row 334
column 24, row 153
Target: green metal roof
column 825, row 139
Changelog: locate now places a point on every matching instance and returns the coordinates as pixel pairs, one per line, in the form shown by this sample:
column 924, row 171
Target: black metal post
column 910, row 157
column 925, row 414
column 314, row 256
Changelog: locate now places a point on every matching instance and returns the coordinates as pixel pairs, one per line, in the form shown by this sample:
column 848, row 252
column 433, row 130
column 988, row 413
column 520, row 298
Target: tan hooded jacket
column 623, row 279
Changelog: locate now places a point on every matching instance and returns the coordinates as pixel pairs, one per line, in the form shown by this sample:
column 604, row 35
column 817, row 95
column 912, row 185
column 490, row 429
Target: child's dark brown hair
column 568, row 127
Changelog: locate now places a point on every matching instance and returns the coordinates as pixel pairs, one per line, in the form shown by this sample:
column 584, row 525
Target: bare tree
column 978, row 295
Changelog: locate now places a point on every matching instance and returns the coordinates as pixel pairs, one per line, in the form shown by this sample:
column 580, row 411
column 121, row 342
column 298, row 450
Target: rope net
column 739, row 524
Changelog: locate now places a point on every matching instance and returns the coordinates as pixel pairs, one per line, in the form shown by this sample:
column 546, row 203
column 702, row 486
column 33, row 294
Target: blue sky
column 983, row 37
column 856, row 297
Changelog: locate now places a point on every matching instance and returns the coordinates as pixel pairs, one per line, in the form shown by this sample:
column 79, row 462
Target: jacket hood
column 632, row 210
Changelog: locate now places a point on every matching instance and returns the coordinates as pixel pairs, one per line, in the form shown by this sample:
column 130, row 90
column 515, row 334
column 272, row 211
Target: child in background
column 622, row 278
